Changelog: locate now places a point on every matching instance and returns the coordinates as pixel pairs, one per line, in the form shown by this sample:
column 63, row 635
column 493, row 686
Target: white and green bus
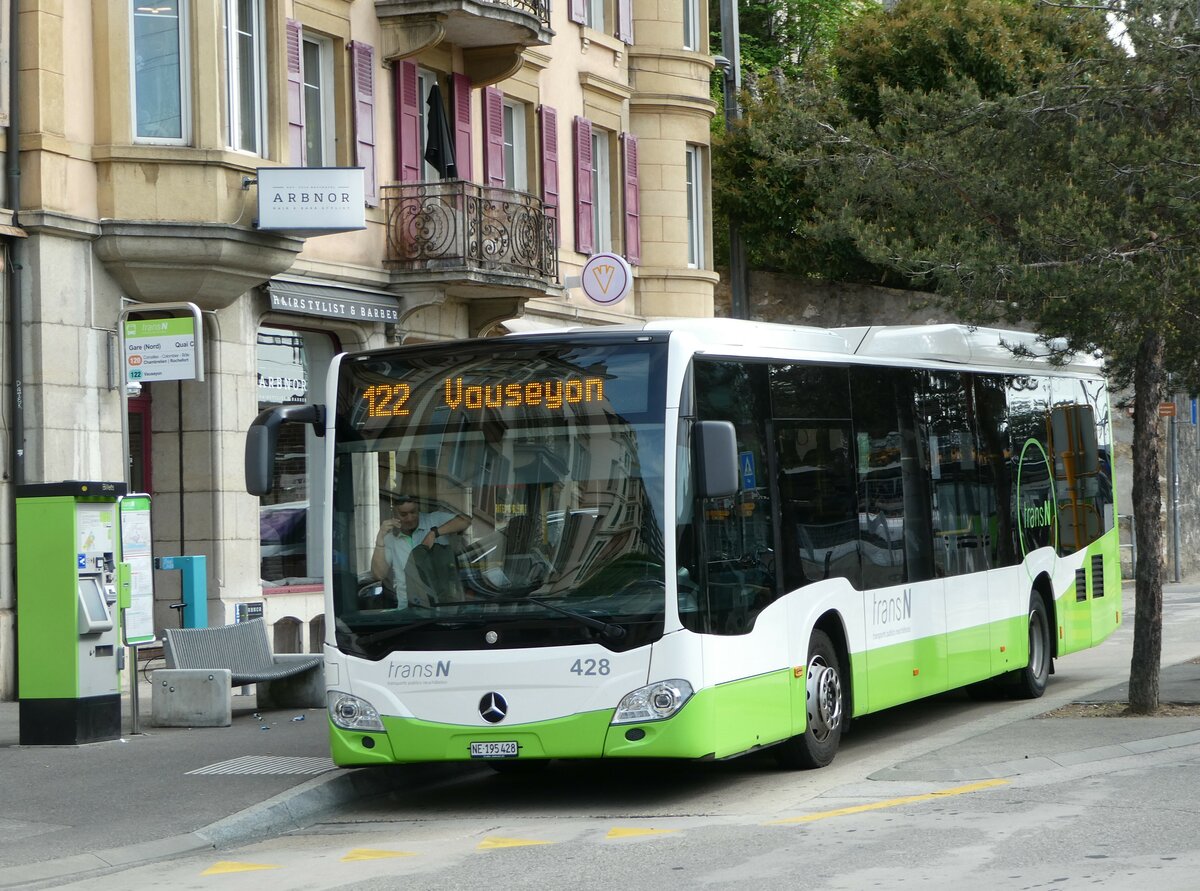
column 696, row 539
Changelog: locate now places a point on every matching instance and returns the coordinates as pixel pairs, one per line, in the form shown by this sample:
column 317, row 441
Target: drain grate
column 267, row 765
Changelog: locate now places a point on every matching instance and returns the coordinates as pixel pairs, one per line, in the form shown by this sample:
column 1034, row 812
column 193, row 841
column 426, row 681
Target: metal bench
column 203, row 664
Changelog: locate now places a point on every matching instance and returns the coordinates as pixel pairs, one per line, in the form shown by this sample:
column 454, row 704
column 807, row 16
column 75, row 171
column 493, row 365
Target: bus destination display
column 385, row 401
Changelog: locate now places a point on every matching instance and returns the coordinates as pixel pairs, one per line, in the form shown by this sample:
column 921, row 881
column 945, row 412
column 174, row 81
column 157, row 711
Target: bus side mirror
column 716, row 459
column 263, row 437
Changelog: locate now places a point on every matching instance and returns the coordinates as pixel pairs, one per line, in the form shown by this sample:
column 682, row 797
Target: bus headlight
column 351, row 713
column 653, row 702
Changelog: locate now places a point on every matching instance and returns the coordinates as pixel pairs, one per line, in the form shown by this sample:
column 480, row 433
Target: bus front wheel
column 825, row 703
column 1030, row 681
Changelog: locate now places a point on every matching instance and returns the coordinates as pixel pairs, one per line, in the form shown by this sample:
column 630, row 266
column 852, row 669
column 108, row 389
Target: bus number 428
column 590, row 667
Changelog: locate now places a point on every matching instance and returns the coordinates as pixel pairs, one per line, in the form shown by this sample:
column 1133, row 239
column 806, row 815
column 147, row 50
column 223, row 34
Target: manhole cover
column 268, row 765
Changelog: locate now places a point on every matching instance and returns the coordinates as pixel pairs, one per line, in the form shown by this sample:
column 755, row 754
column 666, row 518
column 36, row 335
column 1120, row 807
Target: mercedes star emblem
column 493, row 708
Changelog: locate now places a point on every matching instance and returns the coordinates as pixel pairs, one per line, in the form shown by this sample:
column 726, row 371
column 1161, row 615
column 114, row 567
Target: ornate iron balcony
column 456, row 225
column 538, row 9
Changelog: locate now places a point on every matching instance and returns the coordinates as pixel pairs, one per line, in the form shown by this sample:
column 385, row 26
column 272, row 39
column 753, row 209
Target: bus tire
column 1030, row 682
column 825, row 700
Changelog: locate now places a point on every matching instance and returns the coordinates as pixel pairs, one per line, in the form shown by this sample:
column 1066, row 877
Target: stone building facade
column 133, row 138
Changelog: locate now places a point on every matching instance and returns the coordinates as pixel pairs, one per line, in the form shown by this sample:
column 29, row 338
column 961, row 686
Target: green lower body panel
column 1081, row 617
column 410, row 740
column 715, row 723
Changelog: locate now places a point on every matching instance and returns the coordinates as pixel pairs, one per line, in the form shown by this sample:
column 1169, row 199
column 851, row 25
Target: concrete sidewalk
column 70, row 810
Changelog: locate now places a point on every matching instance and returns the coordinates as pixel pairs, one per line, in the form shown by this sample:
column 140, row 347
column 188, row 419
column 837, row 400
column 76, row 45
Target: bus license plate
column 506, row 749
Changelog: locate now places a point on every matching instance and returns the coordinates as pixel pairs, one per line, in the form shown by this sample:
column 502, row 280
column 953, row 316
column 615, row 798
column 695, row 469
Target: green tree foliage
column 766, row 173
column 783, row 36
column 1061, row 195
column 777, row 38
column 1002, row 48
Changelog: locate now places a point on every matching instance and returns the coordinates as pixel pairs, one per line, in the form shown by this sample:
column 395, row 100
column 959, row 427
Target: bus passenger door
column 818, row 506
column 734, row 569
column 904, row 597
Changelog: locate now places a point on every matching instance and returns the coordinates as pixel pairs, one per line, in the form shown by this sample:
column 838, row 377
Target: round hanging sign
column 607, row 279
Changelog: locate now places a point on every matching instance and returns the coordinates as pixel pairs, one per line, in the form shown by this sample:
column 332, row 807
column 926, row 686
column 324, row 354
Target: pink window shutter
column 460, row 86
column 625, row 21
column 493, row 137
column 408, row 129
column 362, row 72
column 585, row 237
column 633, row 218
column 295, row 95
column 549, row 143
column 577, row 11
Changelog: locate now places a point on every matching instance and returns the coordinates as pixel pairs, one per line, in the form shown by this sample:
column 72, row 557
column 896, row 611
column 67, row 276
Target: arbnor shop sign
column 306, row 201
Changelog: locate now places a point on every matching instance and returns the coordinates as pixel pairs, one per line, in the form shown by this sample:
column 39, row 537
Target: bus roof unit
column 764, row 335
column 961, row 344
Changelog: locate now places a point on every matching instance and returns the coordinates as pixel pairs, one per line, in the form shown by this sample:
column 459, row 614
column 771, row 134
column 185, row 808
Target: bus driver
column 408, row 528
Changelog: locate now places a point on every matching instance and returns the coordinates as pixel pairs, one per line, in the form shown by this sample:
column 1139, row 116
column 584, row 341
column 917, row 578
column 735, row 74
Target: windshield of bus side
column 500, row 494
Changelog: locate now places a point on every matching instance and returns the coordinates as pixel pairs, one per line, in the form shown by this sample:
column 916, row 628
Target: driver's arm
column 449, row 527
column 452, row 527
column 379, row 559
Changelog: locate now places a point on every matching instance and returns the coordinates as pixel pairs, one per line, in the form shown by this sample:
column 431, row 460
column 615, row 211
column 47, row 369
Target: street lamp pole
column 730, row 63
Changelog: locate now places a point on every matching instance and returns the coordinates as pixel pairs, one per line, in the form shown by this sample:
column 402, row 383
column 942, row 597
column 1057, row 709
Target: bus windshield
column 500, row 494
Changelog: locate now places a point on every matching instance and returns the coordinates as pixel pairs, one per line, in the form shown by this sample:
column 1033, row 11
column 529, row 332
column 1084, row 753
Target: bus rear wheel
column 1030, row 681
column 825, row 702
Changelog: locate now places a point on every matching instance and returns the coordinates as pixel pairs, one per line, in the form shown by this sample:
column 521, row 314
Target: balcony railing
column 539, row 9
column 460, row 226
column 471, row 23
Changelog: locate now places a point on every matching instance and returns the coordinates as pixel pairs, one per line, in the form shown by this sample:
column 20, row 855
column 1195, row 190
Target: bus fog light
column 653, row 702
column 351, row 713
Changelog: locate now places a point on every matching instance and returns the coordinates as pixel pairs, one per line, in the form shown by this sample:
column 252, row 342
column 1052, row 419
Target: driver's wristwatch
column 434, row 530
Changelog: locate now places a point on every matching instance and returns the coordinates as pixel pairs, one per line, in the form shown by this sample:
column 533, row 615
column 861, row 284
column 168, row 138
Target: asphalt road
column 943, row 793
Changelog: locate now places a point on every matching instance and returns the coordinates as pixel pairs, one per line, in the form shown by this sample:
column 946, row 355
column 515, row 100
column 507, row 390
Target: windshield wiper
column 378, row 637
column 608, row 630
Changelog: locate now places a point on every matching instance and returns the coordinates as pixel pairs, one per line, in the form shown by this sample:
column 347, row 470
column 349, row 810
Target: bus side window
column 995, row 470
column 1082, row 487
column 894, row 482
column 817, row 502
column 947, row 409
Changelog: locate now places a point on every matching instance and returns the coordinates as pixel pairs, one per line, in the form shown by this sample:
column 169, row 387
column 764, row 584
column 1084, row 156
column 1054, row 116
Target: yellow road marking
column 374, row 854
column 632, row 833
column 224, row 867
column 892, row 802
column 492, row 842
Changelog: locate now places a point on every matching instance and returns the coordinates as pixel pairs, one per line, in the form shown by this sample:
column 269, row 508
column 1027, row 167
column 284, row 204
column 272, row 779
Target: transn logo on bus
column 418, row 671
column 1039, row 516
column 891, row 616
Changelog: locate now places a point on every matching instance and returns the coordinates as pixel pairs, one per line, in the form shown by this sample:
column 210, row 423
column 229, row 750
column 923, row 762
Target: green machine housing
column 68, row 635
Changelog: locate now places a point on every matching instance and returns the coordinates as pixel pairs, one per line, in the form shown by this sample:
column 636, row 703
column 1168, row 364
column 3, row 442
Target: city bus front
column 497, row 571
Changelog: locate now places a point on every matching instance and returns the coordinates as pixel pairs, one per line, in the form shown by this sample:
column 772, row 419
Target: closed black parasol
column 439, row 143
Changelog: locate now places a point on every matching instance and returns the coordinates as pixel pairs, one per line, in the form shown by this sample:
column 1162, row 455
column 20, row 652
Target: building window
column 601, row 192
column 516, row 159
column 695, row 207
column 318, row 102
column 594, row 11
column 245, row 74
column 289, row 362
column 159, row 60
column 691, row 26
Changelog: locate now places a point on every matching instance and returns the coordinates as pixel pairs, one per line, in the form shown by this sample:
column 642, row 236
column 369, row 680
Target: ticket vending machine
column 68, row 636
